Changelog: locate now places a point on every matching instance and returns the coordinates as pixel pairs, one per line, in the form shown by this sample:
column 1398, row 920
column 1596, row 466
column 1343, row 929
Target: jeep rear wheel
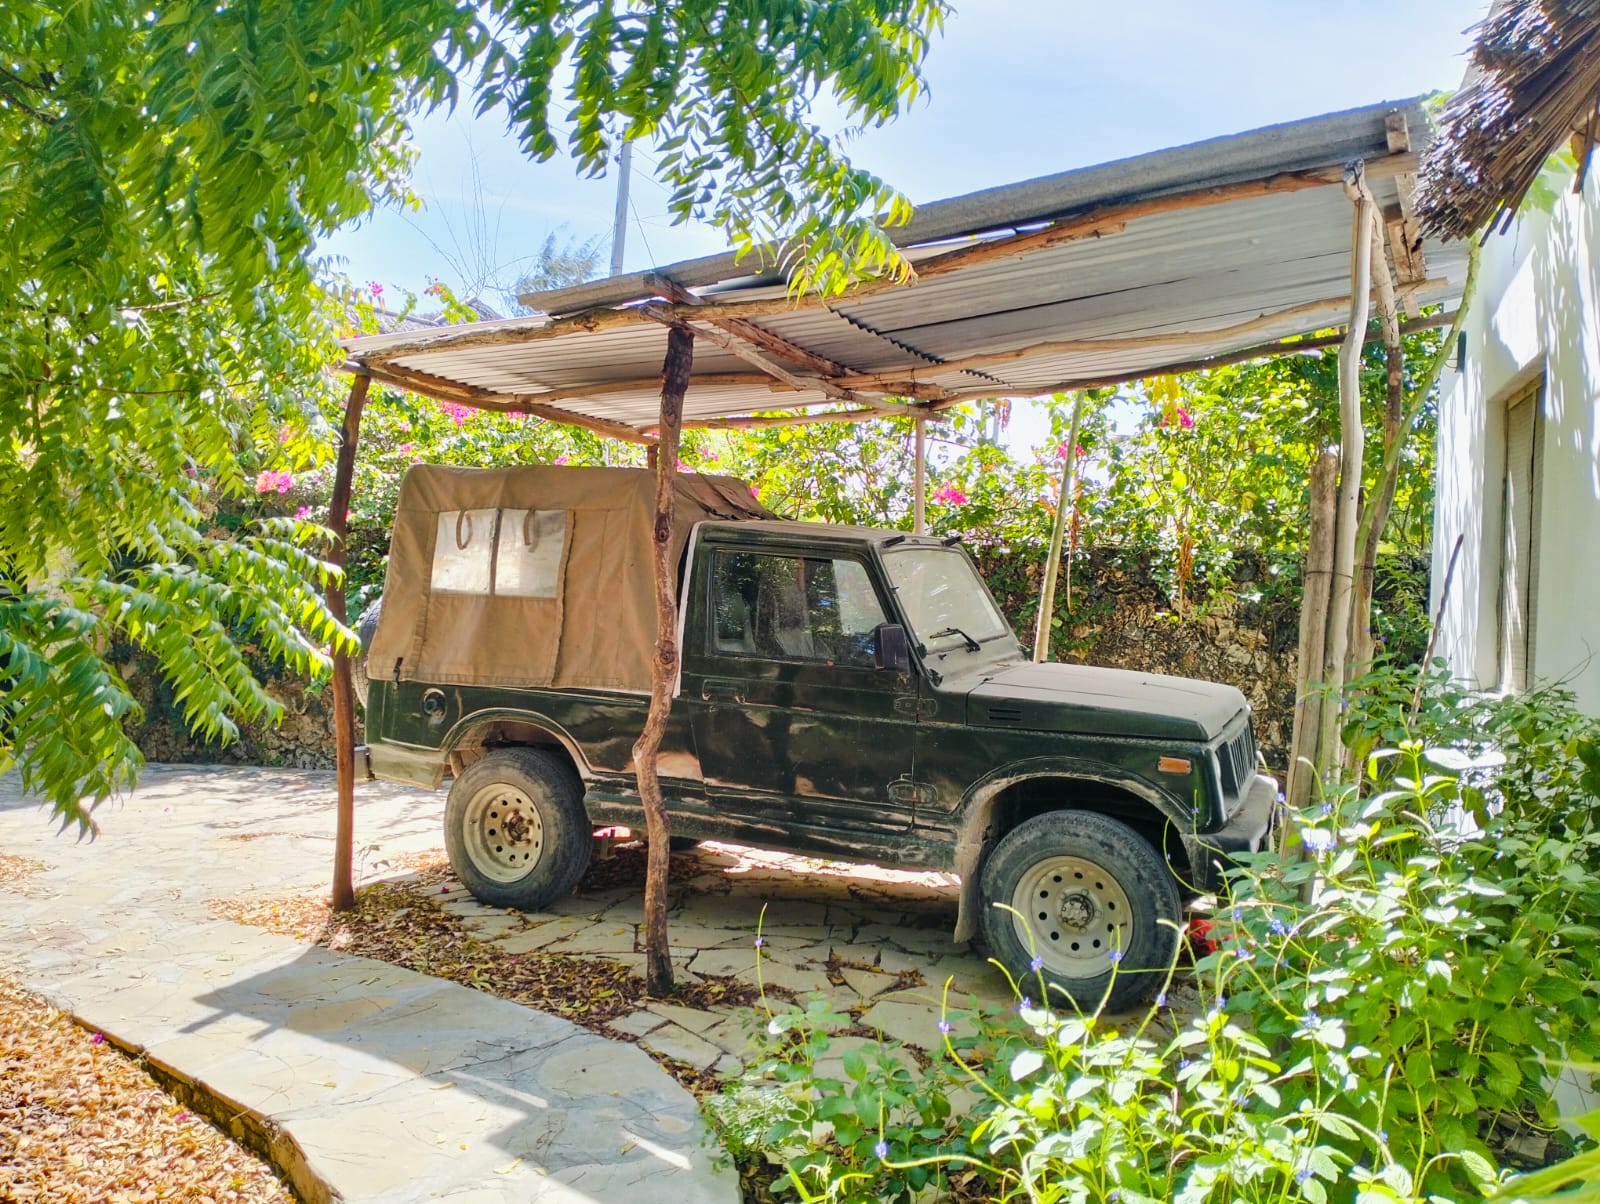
column 516, row 830
column 1089, row 899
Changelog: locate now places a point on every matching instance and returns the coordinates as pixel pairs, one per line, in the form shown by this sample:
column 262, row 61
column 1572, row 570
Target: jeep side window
column 793, row 608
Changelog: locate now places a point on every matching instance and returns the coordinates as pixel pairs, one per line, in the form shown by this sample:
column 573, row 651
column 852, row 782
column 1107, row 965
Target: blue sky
column 1018, row 88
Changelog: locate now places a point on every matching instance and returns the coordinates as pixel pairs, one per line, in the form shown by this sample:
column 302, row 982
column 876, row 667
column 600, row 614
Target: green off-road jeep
column 843, row 692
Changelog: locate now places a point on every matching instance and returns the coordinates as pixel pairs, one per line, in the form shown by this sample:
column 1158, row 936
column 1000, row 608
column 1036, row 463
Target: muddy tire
column 516, row 829
column 1092, row 901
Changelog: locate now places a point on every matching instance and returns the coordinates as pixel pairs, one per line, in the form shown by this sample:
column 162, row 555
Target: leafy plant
column 1376, row 1019
column 165, row 174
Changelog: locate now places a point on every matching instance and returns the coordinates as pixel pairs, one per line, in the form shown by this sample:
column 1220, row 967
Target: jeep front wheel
column 516, row 829
column 1088, row 899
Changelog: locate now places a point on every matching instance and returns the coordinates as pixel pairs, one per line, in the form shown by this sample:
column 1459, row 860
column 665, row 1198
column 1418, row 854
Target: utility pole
column 619, row 226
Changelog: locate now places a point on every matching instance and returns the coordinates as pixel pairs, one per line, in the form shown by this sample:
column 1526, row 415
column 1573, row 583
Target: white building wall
column 1537, row 312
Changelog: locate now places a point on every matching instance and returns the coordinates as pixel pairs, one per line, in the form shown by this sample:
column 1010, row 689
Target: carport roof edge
column 1127, row 269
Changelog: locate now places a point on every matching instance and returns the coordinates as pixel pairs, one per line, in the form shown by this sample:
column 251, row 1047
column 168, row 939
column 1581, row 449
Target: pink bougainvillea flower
column 561, row 460
column 950, row 496
column 303, row 513
column 710, row 457
column 285, row 482
column 682, row 467
column 405, row 449
column 1186, row 422
column 405, row 425
column 458, row 413
column 375, row 288
column 755, row 493
column 264, row 481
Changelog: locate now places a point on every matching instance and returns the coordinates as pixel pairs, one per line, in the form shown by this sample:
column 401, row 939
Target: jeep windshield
column 944, row 600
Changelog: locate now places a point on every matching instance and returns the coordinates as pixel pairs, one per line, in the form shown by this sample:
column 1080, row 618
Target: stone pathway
column 365, row 1081
column 875, row 943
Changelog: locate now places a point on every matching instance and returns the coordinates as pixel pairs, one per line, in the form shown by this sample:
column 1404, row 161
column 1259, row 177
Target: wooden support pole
column 344, row 697
column 1374, row 513
column 1370, row 530
column 1351, row 446
column 664, row 669
column 1058, row 535
column 1315, row 580
column 919, row 478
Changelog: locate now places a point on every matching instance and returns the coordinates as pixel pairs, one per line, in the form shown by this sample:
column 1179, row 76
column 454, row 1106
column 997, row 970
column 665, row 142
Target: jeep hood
column 1101, row 702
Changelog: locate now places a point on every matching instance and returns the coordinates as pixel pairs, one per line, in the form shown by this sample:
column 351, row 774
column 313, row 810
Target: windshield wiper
column 972, row 644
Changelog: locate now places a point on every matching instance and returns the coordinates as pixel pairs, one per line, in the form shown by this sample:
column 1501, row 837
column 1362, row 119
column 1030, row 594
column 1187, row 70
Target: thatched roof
column 1534, row 81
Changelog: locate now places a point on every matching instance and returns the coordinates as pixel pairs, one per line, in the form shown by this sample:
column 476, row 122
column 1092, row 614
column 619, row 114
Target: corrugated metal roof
column 1206, row 262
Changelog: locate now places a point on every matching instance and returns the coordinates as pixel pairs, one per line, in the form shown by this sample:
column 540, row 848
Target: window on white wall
column 1519, row 547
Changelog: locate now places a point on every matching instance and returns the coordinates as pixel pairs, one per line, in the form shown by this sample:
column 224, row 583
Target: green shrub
column 1378, row 1016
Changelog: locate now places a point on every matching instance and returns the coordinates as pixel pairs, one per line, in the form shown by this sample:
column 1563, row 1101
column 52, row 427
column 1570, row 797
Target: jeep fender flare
column 489, row 716
column 978, row 804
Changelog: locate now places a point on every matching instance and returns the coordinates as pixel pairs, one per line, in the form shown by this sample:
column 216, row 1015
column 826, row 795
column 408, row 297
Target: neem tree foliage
column 165, row 172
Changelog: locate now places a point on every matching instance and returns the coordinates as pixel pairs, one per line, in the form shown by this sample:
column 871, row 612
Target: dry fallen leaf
column 88, row 1126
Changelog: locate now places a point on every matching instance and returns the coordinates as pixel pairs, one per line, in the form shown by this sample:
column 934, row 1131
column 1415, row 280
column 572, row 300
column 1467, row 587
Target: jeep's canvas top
column 534, row 575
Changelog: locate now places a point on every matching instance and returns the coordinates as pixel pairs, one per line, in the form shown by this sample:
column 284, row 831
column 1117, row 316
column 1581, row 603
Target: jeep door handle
column 726, row 691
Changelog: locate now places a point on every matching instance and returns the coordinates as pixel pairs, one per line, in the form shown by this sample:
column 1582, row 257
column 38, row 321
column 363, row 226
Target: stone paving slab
column 368, row 1082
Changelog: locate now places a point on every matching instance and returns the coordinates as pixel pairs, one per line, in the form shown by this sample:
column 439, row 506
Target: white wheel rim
column 1073, row 915
column 503, row 832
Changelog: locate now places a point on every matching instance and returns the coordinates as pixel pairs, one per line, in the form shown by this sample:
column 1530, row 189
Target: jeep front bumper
column 1211, row 854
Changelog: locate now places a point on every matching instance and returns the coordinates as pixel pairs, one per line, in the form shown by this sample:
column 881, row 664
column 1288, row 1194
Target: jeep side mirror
column 891, row 649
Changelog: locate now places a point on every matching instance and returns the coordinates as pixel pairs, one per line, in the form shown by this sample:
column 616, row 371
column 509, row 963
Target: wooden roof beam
column 1402, row 225
column 445, row 390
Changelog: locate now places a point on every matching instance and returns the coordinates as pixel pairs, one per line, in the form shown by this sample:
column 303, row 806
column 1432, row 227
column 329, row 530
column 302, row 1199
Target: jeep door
column 795, row 728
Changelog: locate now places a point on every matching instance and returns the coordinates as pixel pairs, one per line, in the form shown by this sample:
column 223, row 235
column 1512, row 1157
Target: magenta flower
column 1061, row 451
column 303, row 513
column 1186, row 422
column 561, row 459
column 268, row 481
column 375, row 288
column 405, row 449
column 950, row 496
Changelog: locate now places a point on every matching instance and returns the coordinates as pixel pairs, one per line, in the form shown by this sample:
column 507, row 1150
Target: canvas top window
column 501, row 553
